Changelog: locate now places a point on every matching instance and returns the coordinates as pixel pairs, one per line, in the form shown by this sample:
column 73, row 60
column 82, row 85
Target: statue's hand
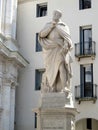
column 53, row 24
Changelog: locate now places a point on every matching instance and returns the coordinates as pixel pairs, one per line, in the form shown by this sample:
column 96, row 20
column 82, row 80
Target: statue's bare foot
column 67, row 90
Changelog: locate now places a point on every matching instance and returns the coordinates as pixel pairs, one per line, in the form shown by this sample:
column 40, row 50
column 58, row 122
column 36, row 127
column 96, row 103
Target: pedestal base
column 55, row 112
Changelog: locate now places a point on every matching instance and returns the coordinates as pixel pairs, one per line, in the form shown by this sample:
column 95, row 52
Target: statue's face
column 56, row 15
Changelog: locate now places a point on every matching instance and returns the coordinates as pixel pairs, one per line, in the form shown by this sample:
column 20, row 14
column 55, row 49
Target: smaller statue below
column 56, row 43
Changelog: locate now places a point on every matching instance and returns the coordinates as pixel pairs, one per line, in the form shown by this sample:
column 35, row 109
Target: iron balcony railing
column 88, row 92
column 85, row 49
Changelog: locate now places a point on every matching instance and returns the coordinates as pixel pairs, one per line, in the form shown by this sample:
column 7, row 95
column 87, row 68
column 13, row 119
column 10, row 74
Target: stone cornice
column 13, row 55
column 24, row 1
column 4, row 39
column 64, row 110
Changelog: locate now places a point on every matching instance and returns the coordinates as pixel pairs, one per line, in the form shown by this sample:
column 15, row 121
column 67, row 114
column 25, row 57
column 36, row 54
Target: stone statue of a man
column 56, row 43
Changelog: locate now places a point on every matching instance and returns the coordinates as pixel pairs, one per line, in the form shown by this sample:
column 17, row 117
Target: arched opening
column 87, row 124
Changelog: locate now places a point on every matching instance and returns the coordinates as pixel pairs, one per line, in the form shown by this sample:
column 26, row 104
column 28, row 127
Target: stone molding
column 13, row 55
column 2, row 38
column 9, row 82
column 24, row 1
column 56, row 118
column 56, row 100
column 52, row 111
column 12, row 40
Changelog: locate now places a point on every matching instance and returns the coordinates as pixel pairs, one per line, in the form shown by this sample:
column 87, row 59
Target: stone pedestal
column 56, row 112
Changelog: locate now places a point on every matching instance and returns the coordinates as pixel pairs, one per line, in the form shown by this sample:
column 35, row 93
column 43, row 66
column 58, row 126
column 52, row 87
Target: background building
column 81, row 17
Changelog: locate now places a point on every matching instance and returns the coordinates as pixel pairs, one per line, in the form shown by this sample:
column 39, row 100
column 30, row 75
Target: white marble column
column 12, row 107
column 6, row 104
column 8, row 18
column 14, row 19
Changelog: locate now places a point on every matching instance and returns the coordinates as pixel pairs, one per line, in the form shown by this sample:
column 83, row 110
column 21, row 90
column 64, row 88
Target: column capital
column 9, row 82
column 14, row 84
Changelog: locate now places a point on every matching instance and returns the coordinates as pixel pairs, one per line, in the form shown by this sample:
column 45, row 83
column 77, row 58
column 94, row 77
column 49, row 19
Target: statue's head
column 57, row 14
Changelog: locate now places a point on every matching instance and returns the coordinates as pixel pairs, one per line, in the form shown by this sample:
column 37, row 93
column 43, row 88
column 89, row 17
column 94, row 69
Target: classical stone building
column 81, row 17
column 11, row 61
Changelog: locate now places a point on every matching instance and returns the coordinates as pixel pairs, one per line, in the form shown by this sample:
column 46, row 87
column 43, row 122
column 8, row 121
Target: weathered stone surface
column 56, row 43
column 55, row 112
column 55, row 100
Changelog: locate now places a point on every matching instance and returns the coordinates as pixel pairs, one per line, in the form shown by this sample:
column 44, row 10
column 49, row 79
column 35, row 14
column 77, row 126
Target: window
column 84, row 4
column 38, row 79
column 86, row 79
column 35, row 123
column 41, row 10
column 38, row 46
column 89, row 123
column 85, row 40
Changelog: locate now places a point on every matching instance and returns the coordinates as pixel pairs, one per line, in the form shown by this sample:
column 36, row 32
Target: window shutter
column 38, row 46
column 92, row 78
column 37, row 12
column 82, row 80
column 35, row 120
column 92, row 72
column 80, row 4
column 81, row 40
column 37, row 80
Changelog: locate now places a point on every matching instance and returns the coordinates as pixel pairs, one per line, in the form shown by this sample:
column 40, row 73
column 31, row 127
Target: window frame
column 39, row 8
column 35, row 120
column 38, row 47
column 89, row 123
column 86, row 86
column 82, row 6
column 84, row 43
column 37, row 84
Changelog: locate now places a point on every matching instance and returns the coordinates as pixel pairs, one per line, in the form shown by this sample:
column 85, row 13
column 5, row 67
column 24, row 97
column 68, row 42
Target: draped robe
column 53, row 41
